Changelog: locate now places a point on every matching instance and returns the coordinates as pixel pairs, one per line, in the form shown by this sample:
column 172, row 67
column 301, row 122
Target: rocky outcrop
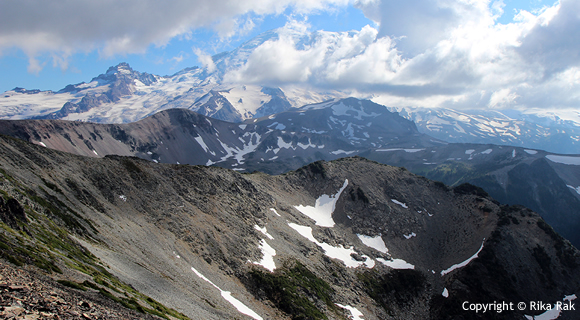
column 28, row 294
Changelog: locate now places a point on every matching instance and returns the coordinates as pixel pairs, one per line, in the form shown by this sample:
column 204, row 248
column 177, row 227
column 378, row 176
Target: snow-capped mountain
column 555, row 131
column 124, row 95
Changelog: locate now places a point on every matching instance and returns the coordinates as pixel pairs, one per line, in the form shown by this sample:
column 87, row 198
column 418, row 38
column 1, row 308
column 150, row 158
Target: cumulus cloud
column 320, row 58
column 130, row 26
column 447, row 53
column 205, row 59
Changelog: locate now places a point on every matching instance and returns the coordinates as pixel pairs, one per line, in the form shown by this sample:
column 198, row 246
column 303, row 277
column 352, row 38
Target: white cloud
column 178, row 58
column 321, row 58
column 129, row 26
column 205, row 59
column 34, row 66
column 449, row 53
column 503, row 97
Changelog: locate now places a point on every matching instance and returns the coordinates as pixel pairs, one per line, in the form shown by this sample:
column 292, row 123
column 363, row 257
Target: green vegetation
column 398, row 287
column 72, row 284
column 6, row 175
column 294, row 290
column 44, row 240
column 60, row 210
column 441, row 185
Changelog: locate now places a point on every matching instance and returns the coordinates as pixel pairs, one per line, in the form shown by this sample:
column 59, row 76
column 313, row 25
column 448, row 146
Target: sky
column 434, row 53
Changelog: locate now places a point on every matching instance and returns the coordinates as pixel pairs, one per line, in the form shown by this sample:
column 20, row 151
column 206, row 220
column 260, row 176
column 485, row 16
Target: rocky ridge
column 353, row 233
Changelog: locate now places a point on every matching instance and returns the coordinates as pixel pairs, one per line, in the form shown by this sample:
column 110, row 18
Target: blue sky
column 445, row 53
column 177, row 54
column 172, row 57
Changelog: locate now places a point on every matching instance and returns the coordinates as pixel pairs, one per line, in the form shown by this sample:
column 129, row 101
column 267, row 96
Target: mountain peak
column 122, row 67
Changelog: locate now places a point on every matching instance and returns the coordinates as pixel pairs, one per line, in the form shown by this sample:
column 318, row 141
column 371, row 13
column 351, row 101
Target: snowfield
column 323, row 208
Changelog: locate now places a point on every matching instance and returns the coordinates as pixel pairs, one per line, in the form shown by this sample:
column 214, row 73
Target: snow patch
column 469, row 151
column 369, row 263
column 276, row 212
column 341, row 152
column 376, row 243
column 564, row 159
column 268, row 256
column 122, row 197
column 570, row 297
column 341, row 253
column 389, row 150
column 354, row 313
column 95, row 152
column 243, row 126
column 199, row 140
column 464, row 263
column 530, row 151
column 396, row 263
column 398, row 149
column 404, row 205
column 577, row 189
column 343, row 110
column 323, row 208
column 264, row 231
column 410, row 235
column 488, row 151
column 42, row 144
column 283, row 144
column 445, row 293
column 242, row 308
column 306, row 146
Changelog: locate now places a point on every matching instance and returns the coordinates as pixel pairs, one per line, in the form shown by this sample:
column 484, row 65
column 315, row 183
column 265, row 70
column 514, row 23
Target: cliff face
column 320, row 242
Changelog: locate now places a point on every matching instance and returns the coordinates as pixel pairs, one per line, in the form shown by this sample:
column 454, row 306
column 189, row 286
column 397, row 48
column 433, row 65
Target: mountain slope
column 349, row 232
column 512, row 175
column 182, row 136
column 546, row 182
column 557, row 131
